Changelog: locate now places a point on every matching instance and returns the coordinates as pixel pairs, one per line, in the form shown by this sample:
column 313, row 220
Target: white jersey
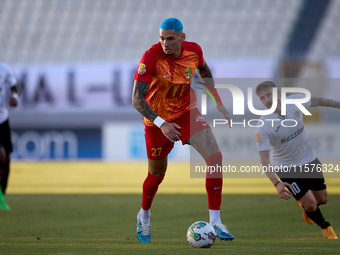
column 289, row 145
column 7, row 78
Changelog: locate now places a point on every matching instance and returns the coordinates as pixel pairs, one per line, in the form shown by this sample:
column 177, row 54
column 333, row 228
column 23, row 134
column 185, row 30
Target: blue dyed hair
column 172, row 23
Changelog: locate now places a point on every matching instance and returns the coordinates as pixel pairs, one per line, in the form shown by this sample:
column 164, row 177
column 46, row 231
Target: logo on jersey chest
column 174, row 90
column 188, row 73
column 293, row 136
column 297, row 114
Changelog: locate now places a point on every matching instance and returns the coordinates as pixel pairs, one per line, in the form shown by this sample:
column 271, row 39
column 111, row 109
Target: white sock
column 144, row 215
column 214, row 217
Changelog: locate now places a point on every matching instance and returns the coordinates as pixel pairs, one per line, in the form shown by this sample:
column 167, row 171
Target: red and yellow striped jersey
column 170, row 94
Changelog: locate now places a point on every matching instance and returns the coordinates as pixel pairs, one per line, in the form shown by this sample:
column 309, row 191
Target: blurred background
column 75, row 60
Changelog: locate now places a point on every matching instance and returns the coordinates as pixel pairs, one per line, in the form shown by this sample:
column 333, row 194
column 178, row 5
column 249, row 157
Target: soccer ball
column 201, row 235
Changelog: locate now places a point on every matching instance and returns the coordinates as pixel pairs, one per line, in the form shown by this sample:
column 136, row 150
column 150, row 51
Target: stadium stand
column 86, row 31
column 327, row 41
column 37, row 31
column 76, row 35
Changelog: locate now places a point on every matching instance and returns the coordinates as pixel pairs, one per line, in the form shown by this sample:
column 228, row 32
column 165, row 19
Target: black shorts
column 5, row 137
column 302, row 185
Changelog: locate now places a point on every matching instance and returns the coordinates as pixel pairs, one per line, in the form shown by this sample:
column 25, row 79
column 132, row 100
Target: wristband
column 15, row 95
column 158, row 121
column 277, row 183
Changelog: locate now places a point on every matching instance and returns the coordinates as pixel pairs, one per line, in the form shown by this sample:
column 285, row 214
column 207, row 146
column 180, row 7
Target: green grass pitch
column 92, row 219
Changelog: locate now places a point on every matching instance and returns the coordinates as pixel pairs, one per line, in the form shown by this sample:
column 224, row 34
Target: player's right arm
column 280, row 186
column 140, row 89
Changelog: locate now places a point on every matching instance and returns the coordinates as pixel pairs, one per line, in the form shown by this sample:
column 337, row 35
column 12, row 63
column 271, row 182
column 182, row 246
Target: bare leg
column 204, row 142
column 158, row 167
column 309, row 202
column 321, row 196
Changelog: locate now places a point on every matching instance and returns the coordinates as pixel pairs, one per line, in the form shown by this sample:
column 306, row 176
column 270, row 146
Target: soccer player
column 291, row 149
column 162, row 94
column 6, row 79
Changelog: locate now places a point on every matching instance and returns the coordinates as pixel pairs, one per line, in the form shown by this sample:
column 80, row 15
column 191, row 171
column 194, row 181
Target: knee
column 323, row 200
column 158, row 167
column 158, row 173
column 310, row 206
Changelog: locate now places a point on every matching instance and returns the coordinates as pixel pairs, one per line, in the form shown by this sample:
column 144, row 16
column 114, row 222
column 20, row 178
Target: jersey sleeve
column 10, row 79
column 262, row 139
column 199, row 52
column 146, row 68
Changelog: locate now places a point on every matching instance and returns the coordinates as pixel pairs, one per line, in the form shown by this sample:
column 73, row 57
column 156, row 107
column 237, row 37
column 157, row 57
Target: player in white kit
column 8, row 79
column 293, row 158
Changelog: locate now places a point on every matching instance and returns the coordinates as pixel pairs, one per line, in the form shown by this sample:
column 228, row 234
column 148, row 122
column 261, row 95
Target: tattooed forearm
column 206, row 75
column 204, row 71
column 139, row 91
column 320, row 101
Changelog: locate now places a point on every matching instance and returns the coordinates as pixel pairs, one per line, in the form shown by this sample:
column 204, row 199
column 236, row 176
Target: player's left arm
column 320, row 101
column 206, row 76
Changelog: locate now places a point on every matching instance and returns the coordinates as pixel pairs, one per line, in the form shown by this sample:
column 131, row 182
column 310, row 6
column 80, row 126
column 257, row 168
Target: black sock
column 3, row 182
column 318, row 218
column 4, row 177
